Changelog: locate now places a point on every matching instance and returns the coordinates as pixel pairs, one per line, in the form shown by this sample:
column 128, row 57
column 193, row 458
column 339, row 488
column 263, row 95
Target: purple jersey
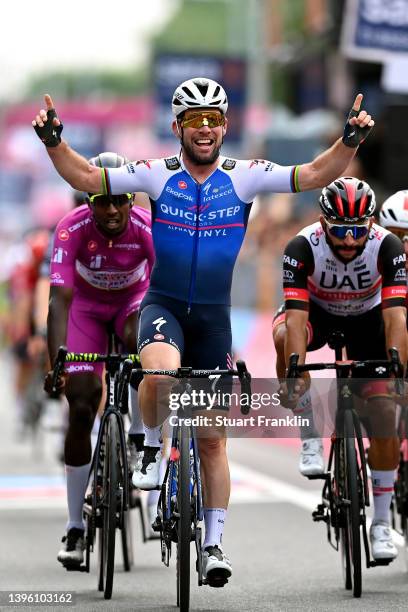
column 102, row 267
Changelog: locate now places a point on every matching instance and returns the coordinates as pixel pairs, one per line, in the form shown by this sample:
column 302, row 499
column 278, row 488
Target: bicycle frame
column 347, row 445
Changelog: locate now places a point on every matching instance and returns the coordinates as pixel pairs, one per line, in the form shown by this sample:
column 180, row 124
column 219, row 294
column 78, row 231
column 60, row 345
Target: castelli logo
column 182, row 184
column 92, row 245
column 158, row 337
column 63, row 235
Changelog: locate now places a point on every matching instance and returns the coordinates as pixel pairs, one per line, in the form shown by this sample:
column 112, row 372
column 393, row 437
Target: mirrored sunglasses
column 197, row 120
column 105, row 201
column 341, row 231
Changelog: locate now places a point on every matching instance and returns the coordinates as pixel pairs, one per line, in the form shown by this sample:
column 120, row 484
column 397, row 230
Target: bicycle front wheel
column 352, row 490
column 107, row 535
column 184, row 521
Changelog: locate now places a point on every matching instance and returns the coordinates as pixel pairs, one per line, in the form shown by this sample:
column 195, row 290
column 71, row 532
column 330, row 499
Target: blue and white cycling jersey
column 197, row 228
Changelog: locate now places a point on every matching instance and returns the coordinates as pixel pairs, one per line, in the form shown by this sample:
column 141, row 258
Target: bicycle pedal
column 74, row 567
column 323, row 476
column 381, row 562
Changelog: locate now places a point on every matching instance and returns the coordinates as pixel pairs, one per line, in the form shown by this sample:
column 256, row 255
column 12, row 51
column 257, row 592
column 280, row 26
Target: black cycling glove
column 50, row 134
column 353, row 134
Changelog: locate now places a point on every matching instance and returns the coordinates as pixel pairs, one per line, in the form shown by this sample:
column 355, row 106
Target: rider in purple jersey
column 100, row 268
column 200, row 207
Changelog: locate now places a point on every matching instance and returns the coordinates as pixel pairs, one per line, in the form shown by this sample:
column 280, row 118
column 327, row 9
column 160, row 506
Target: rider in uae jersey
column 311, row 271
column 99, row 267
column 197, row 228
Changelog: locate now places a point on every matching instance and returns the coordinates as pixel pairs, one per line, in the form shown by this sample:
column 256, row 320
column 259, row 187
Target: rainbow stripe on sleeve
column 294, row 179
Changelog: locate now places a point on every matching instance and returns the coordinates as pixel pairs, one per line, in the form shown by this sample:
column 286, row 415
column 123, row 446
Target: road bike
column 180, row 505
column 345, row 494
column 106, row 507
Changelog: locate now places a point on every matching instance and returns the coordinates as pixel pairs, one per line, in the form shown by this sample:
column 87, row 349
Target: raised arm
column 69, row 164
column 332, row 163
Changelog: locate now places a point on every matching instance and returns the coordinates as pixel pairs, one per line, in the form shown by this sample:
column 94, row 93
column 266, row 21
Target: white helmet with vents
column 394, row 211
column 199, row 92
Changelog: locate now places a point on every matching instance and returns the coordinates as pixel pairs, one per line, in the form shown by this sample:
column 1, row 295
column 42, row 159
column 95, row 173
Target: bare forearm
column 396, row 333
column 75, row 169
column 326, row 167
column 295, row 341
column 56, row 327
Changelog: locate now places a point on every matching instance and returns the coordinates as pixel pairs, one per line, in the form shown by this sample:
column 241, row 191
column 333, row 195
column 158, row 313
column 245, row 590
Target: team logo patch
column 182, row 184
column 172, row 163
column 158, row 337
column 63, row 235
column 229, row 164
column 92, row 245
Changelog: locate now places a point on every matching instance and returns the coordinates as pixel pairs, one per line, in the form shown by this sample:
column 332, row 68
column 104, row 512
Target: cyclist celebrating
column 200, row 207
column 346, row 273
column 100, row 268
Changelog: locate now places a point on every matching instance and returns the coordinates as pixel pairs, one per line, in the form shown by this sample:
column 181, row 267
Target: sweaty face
column 111, row 213
column 202, row 144
column 346, row 248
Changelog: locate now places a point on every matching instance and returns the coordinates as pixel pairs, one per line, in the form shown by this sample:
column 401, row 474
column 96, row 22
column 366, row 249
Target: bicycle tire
column 353, row 495
column 99, row 468
column 342, row 515
column 107, row 532
column 127, row 543
column 184, row 521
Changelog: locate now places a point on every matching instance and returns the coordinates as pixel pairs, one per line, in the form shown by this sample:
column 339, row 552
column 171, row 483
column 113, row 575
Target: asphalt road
column 281, row 560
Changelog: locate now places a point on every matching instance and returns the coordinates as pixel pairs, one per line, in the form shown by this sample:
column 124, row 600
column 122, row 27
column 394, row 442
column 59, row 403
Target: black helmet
column 347, row 199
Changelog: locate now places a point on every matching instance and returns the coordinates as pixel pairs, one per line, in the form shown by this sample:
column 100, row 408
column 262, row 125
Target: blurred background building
column 291, row 68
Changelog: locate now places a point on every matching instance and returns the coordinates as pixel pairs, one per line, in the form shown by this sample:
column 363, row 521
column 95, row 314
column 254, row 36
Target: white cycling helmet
column 199, row 93
column 394, row 211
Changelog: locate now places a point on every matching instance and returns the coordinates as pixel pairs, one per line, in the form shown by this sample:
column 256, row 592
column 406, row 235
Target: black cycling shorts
column 203, row 336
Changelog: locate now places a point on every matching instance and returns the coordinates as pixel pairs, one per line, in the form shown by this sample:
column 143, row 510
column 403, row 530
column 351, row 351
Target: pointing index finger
column 48, row 101
column 357, row 102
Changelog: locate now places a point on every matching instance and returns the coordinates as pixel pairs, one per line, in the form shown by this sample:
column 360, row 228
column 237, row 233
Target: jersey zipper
column 110, row 244
column 193, row 269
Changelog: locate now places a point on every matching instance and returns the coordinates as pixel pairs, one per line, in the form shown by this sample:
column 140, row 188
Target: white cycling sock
column 136, row 426
column 214, row 519
column 77, row 479
column 304, row 409
column 383, row 487
column 152, row 436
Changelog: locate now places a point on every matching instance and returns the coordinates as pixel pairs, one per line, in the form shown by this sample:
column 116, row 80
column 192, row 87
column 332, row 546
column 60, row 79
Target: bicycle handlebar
column 187, row 372
column 393, row 366
column 64, row 356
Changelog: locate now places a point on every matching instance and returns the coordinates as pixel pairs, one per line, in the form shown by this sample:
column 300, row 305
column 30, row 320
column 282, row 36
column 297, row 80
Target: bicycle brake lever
column 58, row 367
column 245, row 380
column 397, row 370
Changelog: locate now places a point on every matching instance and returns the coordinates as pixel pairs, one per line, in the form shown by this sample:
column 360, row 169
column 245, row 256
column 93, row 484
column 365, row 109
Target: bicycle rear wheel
column 107, row 532
column 184, row 521
column 353, row 489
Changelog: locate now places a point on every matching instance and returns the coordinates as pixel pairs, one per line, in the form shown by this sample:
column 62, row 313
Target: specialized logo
column 229, row 164
column 206, row 189
column 182, row 184
column 172, row 163
column 159, row 323
column 63, row 235
column 92, row 245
